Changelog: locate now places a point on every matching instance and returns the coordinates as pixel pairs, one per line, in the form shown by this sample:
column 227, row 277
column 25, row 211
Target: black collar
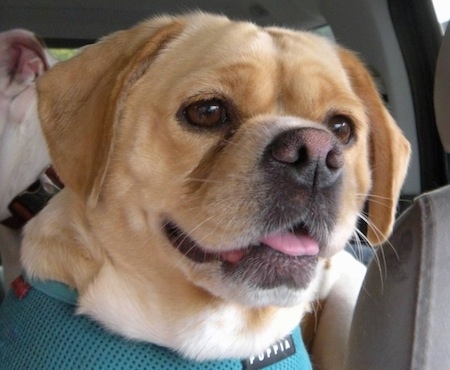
column 29, row 202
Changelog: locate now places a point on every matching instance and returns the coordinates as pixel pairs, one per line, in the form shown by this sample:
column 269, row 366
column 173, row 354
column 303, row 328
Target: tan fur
column 389, row 152
column 109, row 116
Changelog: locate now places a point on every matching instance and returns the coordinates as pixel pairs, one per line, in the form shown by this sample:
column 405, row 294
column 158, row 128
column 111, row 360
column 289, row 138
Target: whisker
column 374, row 196
column 194, row 179
column 375, row 257
column 381, row 247
column 377, row 232
column 229, row 223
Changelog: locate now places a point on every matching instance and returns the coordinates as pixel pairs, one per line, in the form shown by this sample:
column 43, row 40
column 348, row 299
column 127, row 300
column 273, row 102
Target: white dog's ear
column 23, row 57
column 80, row 101
column 389, row 151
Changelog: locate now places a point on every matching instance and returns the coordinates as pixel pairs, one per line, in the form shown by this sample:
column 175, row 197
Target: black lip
column 261, row 266
column 192, row 250
column 185, row 245
column 266, row 268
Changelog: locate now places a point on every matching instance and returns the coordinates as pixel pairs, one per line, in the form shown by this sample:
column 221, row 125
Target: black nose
column 308, row 157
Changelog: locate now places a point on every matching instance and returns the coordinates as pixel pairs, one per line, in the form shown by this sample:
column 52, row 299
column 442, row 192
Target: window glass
column 442, row 9
column 325, row 31
column 62, row 54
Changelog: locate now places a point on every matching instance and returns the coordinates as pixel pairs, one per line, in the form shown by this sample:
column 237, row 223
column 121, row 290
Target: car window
column 62, row 53
column 442, row 9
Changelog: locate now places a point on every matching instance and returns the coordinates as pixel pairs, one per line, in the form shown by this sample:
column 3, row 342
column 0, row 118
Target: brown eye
column 206, row 113
column 342, row 127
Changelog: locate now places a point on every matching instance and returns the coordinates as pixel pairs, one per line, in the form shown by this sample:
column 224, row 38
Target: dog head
column 23, row 152
column 235, row 156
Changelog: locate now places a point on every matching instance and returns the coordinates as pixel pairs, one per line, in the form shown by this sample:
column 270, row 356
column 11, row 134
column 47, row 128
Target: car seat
column 401, row 319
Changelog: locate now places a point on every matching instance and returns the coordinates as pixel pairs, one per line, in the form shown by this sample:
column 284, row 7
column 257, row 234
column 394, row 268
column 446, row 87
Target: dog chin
column 247, row 295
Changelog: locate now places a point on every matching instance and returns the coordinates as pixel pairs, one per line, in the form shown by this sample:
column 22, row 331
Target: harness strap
column 32, row 200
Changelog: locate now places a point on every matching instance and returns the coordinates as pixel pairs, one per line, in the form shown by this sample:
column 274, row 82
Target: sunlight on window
column 63, row 54
column 442, row 9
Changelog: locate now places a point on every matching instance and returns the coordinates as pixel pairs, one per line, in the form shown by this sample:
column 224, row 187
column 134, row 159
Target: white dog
column 23, row 152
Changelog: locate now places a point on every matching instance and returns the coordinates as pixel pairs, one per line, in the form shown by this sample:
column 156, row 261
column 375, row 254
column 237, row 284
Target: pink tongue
column 292, row 244
column 287, row 243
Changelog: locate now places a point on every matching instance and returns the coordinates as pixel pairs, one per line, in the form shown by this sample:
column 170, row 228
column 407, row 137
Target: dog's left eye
column 342, row 127
column 206, row 113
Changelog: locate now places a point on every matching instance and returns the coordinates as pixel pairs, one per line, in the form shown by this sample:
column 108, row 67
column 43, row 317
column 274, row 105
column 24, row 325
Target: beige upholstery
column 402, row 319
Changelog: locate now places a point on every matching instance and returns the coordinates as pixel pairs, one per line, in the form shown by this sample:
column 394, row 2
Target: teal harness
column 39, row 330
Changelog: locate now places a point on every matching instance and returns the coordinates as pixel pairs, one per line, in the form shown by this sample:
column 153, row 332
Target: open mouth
column 287, row 257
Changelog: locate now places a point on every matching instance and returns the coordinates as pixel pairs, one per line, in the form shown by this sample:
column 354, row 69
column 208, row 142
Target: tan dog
column 211, row 168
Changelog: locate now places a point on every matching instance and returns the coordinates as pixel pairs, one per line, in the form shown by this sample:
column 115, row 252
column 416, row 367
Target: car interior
column 409, row 291
column 401, row 320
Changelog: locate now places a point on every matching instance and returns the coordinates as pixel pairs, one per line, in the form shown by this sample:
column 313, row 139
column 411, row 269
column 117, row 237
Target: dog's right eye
column 342, row 127
column 206, row 113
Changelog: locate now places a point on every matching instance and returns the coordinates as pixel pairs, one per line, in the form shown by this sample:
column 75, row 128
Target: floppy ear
column 80, row 101
column 389, row 151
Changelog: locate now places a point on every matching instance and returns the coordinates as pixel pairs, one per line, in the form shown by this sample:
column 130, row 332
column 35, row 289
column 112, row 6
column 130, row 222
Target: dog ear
column 389, row 151
column 23, row 58
column 80, row 101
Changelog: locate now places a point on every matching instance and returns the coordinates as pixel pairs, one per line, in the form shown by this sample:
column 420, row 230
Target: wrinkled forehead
column 215, row 44
column 250, row 62
column 301, row 53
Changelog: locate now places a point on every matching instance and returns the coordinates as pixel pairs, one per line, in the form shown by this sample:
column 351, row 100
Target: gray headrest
column 401, row 320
